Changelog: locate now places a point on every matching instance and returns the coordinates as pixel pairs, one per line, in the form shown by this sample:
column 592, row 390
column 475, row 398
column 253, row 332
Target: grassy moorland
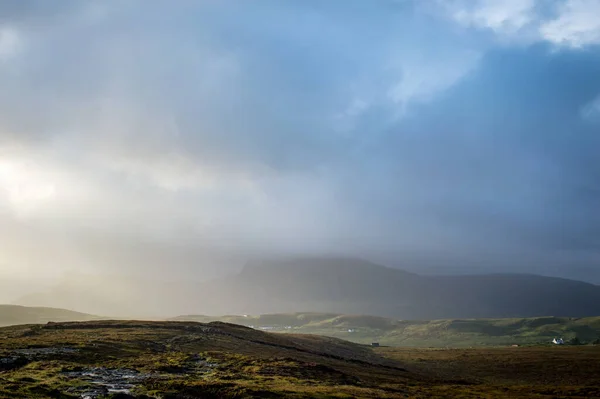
column 542, row 372
column 188, row 360
column 125, row 359
column 363, row 329
column 429, row 333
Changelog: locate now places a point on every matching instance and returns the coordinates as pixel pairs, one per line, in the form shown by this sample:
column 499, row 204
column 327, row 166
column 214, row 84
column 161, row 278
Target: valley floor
column 218, row 360
column 537, row 371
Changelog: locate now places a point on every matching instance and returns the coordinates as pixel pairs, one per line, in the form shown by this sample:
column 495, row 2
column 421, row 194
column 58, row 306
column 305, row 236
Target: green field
column 454, row 333
column 433, row 333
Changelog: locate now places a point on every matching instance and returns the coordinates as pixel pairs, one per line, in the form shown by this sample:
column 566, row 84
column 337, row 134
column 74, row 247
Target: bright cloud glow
column 25, row 185
column 577, row 25
column 568, row 23
column 507, row 16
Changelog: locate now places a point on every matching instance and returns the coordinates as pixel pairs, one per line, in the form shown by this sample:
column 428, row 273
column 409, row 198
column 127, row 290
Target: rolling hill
column 13, row 315
column 419, row 333
column 127, row 359
column 334, row 285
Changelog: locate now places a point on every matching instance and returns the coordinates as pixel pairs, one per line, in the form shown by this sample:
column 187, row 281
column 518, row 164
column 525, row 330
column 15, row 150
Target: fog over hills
column 151, row 142
column 337, row 285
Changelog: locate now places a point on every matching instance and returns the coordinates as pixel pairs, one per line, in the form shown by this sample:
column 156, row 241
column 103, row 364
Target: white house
column 558, row 341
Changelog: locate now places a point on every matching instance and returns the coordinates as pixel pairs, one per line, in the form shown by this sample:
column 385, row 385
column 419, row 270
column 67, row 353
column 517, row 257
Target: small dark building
column 375, row 344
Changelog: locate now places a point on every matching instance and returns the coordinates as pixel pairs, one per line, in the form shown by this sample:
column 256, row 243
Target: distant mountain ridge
column 343, row 286
column 352, row 286
column 13, row 315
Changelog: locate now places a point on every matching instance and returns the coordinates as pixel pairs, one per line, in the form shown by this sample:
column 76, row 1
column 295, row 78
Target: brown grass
column 252, row 363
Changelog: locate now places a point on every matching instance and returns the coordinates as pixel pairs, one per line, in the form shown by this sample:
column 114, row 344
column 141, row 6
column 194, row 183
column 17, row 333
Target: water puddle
column 102, row 381
column 33, row 352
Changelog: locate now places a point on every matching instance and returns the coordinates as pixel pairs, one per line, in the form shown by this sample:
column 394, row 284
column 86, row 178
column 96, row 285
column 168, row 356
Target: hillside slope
column 13, row 314
column 188, row 360
column 431, row 333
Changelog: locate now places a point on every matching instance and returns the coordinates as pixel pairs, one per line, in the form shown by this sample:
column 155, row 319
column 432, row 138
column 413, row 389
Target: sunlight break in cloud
column 25, row 185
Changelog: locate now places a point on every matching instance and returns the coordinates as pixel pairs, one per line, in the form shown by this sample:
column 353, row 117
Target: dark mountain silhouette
column 360, row 287
column 338, row 285
column 12, row 315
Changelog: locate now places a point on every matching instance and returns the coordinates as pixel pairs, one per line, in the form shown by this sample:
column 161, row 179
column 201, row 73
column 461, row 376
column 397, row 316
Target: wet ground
column 34, row 352
column 97, row 382
column 100, row 381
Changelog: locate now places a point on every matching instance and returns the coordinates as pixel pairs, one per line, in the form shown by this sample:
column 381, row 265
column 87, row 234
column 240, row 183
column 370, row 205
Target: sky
column 181, row 138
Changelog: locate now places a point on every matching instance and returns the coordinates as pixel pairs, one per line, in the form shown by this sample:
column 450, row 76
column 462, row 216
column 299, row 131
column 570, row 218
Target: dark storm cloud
column 305, row 127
